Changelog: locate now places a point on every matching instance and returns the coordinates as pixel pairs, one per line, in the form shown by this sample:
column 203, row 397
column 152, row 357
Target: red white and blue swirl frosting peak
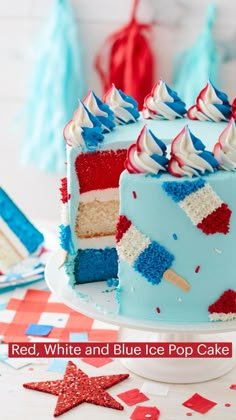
column 189, row 157
column 84, row 130
column 147, row 155
column 225, row 149
column 102, row 111
column 125, row 107
column 211, row 105
column 163, row 103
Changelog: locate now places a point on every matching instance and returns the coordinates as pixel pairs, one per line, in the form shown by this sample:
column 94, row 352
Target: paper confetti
column 78, row 337
column 133, row 396
column 76, row 387
column 200, row 404
column 155, row 388
column 145, row 413
column 39, row 329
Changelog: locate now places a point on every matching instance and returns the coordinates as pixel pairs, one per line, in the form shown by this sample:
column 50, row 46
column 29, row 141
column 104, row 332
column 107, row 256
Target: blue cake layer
column 30, row 237
column 95, row 265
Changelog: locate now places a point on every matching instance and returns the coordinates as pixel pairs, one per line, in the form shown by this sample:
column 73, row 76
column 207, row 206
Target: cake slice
column 19, row 238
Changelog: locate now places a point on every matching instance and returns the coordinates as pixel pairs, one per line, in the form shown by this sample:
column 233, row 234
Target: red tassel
column 126, row 59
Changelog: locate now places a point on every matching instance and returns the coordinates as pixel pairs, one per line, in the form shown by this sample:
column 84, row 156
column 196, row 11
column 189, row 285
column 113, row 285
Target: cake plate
column 98, row 301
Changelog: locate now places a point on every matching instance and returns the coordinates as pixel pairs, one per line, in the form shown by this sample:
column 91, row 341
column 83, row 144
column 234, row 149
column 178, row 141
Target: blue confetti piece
column 3, row 306
column 57, row 365
column 78, row 337
column 175, row 237
column 39, row 329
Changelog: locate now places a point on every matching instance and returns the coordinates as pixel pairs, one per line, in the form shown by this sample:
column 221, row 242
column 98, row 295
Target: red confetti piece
column 145, row 413
column 134, row 194
column 200, row 404
column 189, row 414
column 233, row 386
column 227, row 405
column 76, row 387
column 97, row 361
column 158, row 310
column 133, row 396
column 197, row 269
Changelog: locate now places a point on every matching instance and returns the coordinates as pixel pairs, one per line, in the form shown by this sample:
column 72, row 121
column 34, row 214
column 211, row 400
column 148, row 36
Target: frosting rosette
column 83, row 130
column 163, row 103
column 147, row 155
column 225, row 149
column 125, row 108
column 102, row 111
column 211, row 105
column 233, row 111
column 189, row 157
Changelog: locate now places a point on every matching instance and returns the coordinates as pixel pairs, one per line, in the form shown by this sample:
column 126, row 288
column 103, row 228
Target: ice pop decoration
column 163, row 103
column 147, row 155
column 201, row 204
column 125, row 107
column 211, row 105
column 196, row 198
column 102, row 111
column 225, row 149
column 149, row 258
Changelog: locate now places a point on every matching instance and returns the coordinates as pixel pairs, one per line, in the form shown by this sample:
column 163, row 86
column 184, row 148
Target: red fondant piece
column 64, row 194
column 122, row 226
column 217, row 221
column 99, row 170
column 226, row 303
column 133, row 396
column 200, row 404
column 76, row 387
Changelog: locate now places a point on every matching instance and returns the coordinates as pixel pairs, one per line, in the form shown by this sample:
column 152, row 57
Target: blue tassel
column 194, row 67
column 57, row 84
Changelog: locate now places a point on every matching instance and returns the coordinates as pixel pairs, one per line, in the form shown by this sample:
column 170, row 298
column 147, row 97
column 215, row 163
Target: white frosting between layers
column 100, row 195
column 100, row 242
column 221, row 316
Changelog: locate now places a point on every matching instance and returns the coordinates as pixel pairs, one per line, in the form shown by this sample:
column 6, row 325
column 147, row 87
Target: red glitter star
column 76, row 387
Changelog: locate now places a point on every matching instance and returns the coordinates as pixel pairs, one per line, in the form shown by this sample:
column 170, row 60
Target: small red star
column 76, row 387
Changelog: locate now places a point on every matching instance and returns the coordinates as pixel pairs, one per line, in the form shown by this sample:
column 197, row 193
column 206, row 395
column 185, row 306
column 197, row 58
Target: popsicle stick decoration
column 149, row 258
column 201, row 204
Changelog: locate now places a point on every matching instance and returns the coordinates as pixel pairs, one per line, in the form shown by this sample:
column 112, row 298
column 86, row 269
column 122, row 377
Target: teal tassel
column 194, row 67
column 57, row 84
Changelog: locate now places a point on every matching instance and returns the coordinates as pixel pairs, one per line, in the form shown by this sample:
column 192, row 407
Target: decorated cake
column 101, row 139
column 19, row 238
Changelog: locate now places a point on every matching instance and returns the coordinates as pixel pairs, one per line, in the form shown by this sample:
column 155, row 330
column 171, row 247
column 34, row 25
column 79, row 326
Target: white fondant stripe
column 132, row 244
column 64, row 214
column 98, row 243
column 201, row 203
column 221, row 316
column 13, row 239
column 100, row 195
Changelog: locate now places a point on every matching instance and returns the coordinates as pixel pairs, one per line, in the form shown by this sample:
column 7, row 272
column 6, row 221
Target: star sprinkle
column 200, row 404
column 77, row 387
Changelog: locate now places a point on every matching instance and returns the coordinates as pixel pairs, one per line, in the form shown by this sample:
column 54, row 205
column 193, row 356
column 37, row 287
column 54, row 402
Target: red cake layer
column 99, row 170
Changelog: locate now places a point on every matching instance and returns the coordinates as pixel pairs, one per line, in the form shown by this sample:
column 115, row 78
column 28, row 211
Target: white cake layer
column 13, row 239
column 100, row 195
column 98, row 243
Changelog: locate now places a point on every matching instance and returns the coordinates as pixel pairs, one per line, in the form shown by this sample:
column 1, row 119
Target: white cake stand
column 98, row 301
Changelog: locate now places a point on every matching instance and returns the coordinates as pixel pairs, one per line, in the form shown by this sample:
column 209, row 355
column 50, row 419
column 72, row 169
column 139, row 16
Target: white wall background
column 20, row 23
